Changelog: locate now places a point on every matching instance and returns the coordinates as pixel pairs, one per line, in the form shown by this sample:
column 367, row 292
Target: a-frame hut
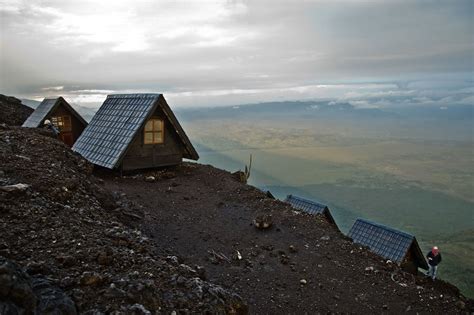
column 62, row 115
column 398, row 246
column 311, row 207
column 135, row 131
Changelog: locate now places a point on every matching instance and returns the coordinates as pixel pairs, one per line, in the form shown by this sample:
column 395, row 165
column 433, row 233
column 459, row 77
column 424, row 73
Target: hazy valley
column 408, row 168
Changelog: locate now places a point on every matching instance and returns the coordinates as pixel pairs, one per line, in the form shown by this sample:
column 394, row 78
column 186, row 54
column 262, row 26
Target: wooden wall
column 77, row 126
column 140, row 155
column 409, row 263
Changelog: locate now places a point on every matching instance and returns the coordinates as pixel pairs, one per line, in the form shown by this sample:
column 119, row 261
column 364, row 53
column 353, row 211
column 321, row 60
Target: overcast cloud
column 230, row 52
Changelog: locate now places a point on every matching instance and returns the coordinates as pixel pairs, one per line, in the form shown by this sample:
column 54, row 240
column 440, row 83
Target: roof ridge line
column 306, row 200
column 386, row 227
column 135, row 95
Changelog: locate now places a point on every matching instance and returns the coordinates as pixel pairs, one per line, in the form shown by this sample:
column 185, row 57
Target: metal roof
column 385, row 241
column 44, row 109
column 306, row 205
column 39, row 115
column 309, row 206
column 113, row 127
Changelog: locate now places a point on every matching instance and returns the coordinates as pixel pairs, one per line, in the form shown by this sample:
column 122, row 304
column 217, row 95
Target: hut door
column 65, row 128
column 67, row 138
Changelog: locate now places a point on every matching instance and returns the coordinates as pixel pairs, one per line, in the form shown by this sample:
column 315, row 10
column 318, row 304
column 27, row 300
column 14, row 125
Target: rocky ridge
column 157, row 242
column 59, row 224
column 12, row 111
column 280, row 261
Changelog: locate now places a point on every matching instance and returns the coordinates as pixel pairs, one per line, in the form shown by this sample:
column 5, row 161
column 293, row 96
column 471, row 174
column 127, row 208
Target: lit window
column 154, row 132
column 63, row 123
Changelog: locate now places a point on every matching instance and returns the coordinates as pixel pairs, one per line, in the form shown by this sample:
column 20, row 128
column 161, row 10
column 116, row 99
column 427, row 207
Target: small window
column 154, row 131
column 62, row 122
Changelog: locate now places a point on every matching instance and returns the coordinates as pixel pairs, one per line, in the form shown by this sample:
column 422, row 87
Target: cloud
column 363, row 104
column 224, row 52
column 53, row 88
column 128, row 26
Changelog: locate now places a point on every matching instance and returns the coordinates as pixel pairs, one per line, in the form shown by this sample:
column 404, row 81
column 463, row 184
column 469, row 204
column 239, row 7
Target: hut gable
column 46, row 109
column 62, row 115
column 311, row 207
column 389, row 243
column 122, row 133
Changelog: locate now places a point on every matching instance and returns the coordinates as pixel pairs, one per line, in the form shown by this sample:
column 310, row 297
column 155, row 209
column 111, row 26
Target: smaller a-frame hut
column 311, row 207
column 135, row 131
column 61, row 115
column 398, row 246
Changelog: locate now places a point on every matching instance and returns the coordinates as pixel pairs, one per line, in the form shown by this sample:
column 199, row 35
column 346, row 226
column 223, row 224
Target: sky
column 212, row 53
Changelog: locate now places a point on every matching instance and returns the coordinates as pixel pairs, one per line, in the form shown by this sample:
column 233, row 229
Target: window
column 62, row 122
column 154, row 131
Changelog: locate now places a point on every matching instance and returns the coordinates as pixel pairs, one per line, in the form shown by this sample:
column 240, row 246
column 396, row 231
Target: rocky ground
column 300, row 264
column 12, row 111
column 63, row 232
column 177, row 241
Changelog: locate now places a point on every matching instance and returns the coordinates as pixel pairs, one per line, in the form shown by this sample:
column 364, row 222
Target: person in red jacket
column 434, row 258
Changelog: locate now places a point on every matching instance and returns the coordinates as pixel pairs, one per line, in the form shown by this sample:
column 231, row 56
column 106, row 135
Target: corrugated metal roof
column 311, row 207
column 385, row 241
column 113, row 127
column 39, row 115
column 47, row 106
column 306, row 205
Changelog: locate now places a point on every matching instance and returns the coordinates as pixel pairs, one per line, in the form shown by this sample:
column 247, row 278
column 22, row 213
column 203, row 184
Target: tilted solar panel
column 36, row 118
column 113, row 127
column 382, row 240
column 306, row 205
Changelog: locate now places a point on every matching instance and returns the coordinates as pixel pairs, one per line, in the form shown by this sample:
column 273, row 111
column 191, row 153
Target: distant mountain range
column 326, row 110
column 31, row 103
column 309, row 110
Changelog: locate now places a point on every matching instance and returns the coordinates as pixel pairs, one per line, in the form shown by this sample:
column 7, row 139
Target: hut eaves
column 385, row 241
column 47, row 106
column 311, row 207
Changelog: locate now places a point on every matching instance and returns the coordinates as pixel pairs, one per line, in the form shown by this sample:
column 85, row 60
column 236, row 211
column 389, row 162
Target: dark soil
column 301, row 264
column 58, row 223
column 12, row 111
column 183, row 241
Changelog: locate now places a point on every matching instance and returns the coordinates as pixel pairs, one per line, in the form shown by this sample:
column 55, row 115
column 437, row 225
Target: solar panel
column 385, row 241
column 113, row 127
column 36, row 118
column 306, row 205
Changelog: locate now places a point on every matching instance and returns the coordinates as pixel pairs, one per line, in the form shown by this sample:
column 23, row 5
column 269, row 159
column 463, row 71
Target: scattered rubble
column 211, row 217
column 67, row 228
column 13, row 112
column 126, row 246
column 21, row 293
column 150, row 179
column 14, row 188
column 263, row 221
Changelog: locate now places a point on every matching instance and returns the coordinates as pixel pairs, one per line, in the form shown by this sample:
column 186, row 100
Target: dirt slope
column 12, row 111
column 60, row 225
column 71, row 241
column 300, row 265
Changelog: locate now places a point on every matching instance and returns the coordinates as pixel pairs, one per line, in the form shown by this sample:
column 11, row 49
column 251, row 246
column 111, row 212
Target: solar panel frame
column 113, row 127
column 311, row 207
column 37, row 117
column 385, row 241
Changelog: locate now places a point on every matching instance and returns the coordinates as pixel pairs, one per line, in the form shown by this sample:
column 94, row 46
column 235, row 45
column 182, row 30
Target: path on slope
column 301, row 264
